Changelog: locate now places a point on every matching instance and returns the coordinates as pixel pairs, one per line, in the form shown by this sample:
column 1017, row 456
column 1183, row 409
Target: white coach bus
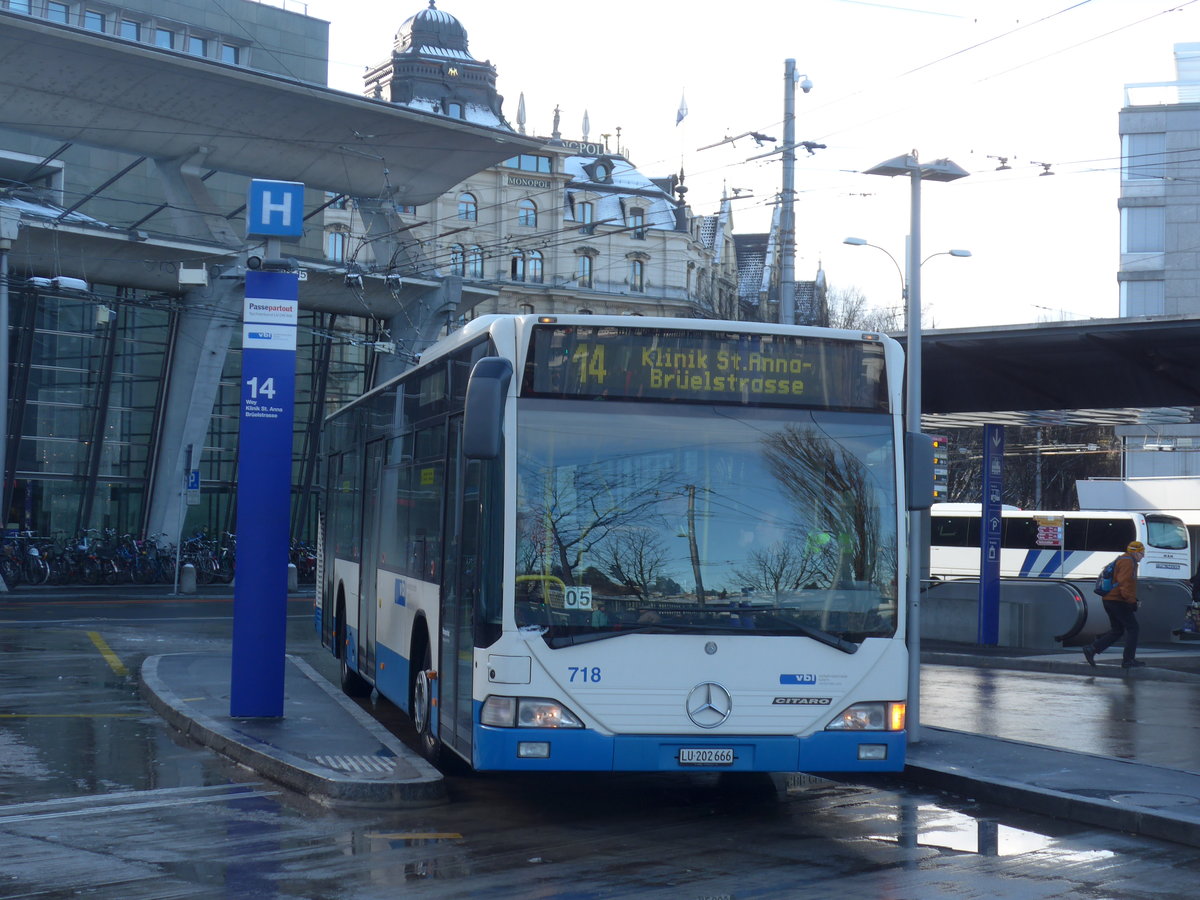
column 1074, row 545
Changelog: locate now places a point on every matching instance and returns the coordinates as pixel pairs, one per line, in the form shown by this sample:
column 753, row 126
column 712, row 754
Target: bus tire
column 353, row 684
column 421, row 706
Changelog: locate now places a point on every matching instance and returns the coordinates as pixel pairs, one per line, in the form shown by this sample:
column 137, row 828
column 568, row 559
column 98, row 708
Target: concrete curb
column 1101, row 810
column 305, row 776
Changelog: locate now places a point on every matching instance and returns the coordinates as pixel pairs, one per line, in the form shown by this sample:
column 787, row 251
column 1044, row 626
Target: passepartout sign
column 270, row 312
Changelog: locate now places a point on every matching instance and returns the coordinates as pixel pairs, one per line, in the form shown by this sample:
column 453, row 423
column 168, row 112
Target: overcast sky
column 971, row 80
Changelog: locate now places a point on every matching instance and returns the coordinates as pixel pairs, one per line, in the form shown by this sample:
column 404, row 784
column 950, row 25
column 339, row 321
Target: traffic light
column 941, row 469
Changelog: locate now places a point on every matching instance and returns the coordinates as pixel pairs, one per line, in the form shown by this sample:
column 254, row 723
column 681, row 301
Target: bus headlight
column 527, row 712
column 870, row 717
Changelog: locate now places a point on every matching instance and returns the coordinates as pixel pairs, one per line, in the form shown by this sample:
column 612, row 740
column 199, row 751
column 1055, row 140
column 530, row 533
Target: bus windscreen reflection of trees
column 686, row 540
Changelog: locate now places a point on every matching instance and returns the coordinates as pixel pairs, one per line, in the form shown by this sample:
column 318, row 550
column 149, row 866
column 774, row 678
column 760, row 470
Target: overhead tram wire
column 995, row 38
column 892, row 111
column 1087, row 41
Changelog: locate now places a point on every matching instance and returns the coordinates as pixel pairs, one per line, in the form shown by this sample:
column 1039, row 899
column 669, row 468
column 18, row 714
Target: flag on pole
column 683, row 110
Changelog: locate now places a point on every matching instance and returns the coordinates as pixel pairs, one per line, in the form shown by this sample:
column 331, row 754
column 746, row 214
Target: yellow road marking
column 109, row 657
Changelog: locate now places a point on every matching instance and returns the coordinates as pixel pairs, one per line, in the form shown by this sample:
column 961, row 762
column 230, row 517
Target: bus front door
column 459, row 589
column 369, row 569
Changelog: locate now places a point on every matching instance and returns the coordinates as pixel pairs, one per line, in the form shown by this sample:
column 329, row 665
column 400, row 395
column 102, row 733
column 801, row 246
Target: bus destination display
column 704, row 367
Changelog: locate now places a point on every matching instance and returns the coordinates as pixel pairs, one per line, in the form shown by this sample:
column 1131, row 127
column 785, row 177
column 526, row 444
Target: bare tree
column 832, row 488
column 849, row 308
column 1041, row 464
column 784, row 566
column 578, row 514
column 636, row 559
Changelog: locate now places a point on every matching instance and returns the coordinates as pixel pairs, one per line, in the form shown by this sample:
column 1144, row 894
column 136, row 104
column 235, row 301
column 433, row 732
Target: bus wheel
column 422, row 708
column 353, row 684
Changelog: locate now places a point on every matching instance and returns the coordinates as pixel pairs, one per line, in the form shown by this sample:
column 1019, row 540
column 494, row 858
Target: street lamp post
column 863, row 242
column 938, row 170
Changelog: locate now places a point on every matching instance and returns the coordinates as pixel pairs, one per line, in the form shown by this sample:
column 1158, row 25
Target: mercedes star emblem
column 709, row 705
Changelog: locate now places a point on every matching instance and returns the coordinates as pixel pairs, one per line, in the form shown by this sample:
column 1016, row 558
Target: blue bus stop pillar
column 264, row 493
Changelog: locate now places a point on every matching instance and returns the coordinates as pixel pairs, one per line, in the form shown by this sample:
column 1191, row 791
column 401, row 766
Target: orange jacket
column 1124, row 581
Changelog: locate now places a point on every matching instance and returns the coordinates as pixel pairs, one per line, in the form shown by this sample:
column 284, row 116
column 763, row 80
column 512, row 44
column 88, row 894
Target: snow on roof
column 611, row 207
column 750, row 277
column 444, row 52
column 472, row 112
column 754, row 276
column 623, row 172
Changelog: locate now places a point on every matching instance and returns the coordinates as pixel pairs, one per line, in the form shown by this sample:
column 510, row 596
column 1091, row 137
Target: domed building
column 573, row 227
column 432, row 69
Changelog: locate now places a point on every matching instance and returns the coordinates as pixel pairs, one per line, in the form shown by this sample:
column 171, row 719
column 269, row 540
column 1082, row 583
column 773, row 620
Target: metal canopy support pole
column 913, row 424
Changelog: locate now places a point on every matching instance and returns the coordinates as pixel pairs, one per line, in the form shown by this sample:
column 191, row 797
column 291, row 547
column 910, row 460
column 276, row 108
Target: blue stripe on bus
column 587, row 751
column 1027, row 566
column 1047, row 563
column 1050, row 567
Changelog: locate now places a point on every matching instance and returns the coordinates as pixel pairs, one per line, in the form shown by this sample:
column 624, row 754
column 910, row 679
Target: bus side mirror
column 483, row 419
column 918, row 470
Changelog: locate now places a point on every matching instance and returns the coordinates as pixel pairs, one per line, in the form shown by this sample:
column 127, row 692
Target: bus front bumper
column 551, row 750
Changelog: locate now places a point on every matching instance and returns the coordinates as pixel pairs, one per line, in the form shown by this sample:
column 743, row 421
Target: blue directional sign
column 991, row 526
column 264, row 493
column 275, row 209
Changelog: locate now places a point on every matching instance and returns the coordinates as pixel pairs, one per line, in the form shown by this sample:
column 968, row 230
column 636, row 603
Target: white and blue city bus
column 628, row 544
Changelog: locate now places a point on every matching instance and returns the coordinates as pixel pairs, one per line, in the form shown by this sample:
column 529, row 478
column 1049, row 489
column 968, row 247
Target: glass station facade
column 88, row 376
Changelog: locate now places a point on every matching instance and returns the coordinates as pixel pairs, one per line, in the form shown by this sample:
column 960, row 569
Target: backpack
column 1104, row 581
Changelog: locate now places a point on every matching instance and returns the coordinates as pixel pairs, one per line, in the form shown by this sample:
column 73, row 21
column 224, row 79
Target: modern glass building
column 123, row 184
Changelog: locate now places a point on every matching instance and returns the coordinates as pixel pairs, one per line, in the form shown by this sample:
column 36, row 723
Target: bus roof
column 948, row 508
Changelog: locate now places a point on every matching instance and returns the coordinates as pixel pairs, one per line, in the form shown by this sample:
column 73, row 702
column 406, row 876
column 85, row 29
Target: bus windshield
column 636, row 517
column 1166, row 533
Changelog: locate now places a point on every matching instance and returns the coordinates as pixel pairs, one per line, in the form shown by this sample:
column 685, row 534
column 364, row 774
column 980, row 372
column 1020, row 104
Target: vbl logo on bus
column 797, row 679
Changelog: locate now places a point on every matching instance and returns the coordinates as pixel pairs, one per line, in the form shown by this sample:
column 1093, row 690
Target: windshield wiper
column 568, row 640
column 836, row 641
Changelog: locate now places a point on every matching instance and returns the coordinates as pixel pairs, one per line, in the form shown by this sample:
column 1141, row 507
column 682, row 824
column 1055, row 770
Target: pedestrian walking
column 1121, row 604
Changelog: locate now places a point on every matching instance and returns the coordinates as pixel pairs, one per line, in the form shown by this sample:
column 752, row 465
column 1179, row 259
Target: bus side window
column 950, row 531
column 1075, row 534
column 1110, row 535
column 1020, row 533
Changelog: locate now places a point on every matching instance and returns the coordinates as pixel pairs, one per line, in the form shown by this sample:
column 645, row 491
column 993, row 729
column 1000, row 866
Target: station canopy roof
column 100, row 90
column 1099, row 371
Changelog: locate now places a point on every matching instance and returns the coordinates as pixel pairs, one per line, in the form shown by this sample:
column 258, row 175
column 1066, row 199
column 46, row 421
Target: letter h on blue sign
column 275, row 209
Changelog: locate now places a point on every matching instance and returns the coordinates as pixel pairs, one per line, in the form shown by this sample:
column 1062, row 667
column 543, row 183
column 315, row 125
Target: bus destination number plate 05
column 706, row 756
